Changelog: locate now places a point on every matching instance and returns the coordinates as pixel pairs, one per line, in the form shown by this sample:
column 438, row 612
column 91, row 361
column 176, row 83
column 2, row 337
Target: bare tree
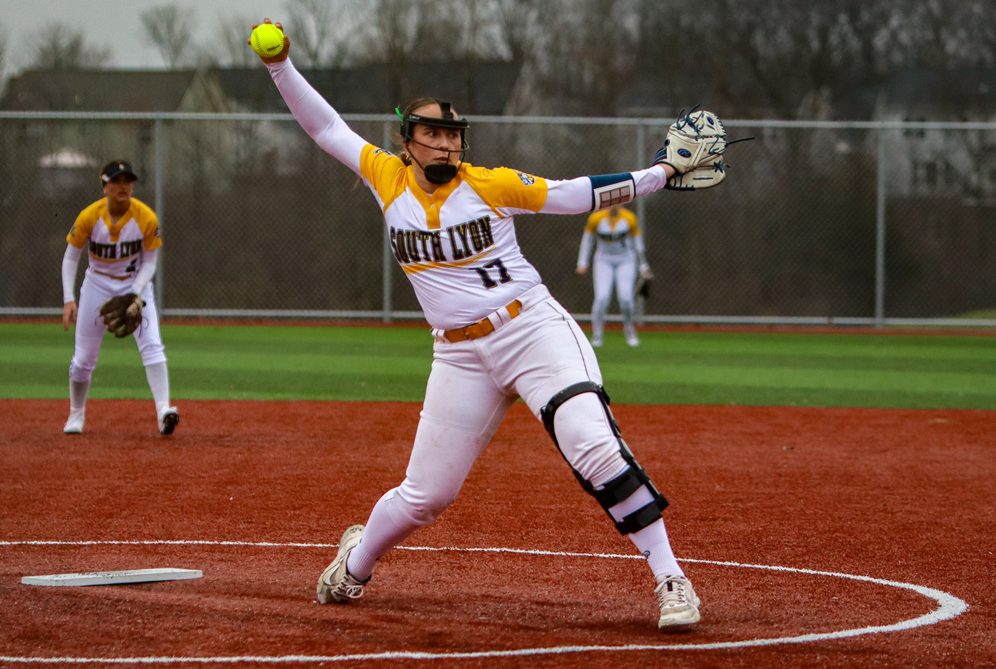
column 393, row 27
column 324, row 30
column 586, row 52
column 941, row 33
column 480, row 30
column 170, row 29
column 517, row 27
column 779, row 56
column 59, row 47
column 440, row 29
column 475, row 36
column 422, row 30
column 235, row 31
column 404, row 32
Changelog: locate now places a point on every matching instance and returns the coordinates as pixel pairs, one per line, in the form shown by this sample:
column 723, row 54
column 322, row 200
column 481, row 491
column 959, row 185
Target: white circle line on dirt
column 949, row 607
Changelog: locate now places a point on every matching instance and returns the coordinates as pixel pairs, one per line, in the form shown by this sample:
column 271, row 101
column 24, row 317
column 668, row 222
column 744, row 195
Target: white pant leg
column 586, row 439
column 462, row 410
column 602, row 277
column 148, row 338
column 90, row 327
column 539, row 354
column 626, row 272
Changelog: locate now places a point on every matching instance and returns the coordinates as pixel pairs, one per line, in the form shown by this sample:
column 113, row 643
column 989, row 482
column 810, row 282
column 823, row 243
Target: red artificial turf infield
column 897, row 495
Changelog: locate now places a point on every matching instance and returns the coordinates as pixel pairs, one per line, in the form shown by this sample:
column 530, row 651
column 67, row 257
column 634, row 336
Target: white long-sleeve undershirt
column 587, row 244
column 145, row 272
column 324, row 125
column 316, row 116
column 69, row 262
column 573, row 196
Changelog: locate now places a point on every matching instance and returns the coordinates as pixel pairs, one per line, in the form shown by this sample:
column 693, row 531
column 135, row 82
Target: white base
column 114, row 577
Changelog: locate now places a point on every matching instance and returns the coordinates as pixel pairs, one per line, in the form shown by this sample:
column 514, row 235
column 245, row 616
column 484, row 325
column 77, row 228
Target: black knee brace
column 622, row 486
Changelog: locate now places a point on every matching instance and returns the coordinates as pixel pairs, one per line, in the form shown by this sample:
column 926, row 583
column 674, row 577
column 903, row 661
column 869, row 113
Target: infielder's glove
column 695, row 148
column 122, row 314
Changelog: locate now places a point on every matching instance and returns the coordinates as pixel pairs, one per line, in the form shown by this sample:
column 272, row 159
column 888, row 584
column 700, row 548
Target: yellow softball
column 267, row 40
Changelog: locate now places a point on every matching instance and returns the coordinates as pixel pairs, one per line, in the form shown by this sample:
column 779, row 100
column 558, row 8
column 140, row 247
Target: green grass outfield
column 383, row 363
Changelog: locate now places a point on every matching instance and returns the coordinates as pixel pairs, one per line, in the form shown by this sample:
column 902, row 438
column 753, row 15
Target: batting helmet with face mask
column 436, row 173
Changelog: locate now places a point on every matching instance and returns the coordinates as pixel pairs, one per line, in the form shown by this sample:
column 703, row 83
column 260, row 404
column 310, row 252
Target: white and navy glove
column 695, row 147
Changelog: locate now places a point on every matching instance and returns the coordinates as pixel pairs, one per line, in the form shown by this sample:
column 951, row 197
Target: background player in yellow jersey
column 619, row 257
column 499, row 334
column 122, row 237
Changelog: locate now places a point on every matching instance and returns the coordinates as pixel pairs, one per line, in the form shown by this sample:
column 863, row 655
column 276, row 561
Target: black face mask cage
column 435, row 173
column 447, row 122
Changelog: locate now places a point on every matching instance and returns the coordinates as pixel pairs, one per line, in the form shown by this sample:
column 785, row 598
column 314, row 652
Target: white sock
column 158, row 378
column 77, row 394
column 380, row 535
column 651, row 540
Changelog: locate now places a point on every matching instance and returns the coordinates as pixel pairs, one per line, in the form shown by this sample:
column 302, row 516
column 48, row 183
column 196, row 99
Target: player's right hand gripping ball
column 267, row 40
column 694, row 147
column 122, row 314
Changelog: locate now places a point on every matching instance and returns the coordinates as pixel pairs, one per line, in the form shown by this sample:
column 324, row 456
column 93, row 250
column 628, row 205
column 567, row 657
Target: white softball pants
column 607, row 271
column 471, row 386
column 90, row 328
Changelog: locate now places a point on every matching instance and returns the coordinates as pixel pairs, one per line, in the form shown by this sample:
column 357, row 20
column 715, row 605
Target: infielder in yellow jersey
column 619, row 256
column 121, row 235
column 499, row 335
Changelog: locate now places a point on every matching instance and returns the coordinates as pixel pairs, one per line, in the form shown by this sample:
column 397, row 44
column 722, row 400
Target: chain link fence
column 848, row 223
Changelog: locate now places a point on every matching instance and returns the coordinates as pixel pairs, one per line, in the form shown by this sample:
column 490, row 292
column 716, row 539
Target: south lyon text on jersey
column 465, row 240
column 112, row 252
column 457, row 245
column 117, row 246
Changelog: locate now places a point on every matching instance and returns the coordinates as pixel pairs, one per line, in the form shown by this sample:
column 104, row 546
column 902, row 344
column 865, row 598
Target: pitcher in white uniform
column 619, row 257
column 499, row 335
column 121, row 234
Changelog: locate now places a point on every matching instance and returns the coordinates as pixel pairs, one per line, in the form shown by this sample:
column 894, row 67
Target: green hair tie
column 398, row 112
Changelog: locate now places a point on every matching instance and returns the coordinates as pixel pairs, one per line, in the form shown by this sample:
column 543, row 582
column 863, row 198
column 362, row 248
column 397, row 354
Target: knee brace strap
column 548, row 412
column 643, row 517
column 622, row 486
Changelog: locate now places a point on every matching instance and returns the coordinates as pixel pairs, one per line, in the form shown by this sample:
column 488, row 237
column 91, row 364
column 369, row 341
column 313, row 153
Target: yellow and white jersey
column 457, row 245
column 615, row 238
column 614, row 235
column 116, row 249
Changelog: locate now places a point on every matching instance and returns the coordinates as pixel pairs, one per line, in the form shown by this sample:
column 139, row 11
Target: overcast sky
column 116, row 24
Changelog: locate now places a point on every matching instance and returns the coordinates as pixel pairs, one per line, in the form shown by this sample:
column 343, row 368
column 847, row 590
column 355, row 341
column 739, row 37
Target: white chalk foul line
column 949, row 607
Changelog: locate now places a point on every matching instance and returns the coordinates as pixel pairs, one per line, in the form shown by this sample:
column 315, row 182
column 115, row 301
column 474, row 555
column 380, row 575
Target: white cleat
column 336, row 584
column 75, row 423
column 631, row 339
column 678, row 601
column 168, row 421
column 596, row 341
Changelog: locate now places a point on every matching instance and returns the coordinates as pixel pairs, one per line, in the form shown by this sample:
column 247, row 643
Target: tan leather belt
column 481, row 328
column 111, row 276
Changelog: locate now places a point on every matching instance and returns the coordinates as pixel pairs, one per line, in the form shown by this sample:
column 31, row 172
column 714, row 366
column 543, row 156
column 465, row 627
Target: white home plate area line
column 948, row 607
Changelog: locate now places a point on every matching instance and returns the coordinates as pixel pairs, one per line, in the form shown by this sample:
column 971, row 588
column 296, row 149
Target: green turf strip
column 355, row 363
